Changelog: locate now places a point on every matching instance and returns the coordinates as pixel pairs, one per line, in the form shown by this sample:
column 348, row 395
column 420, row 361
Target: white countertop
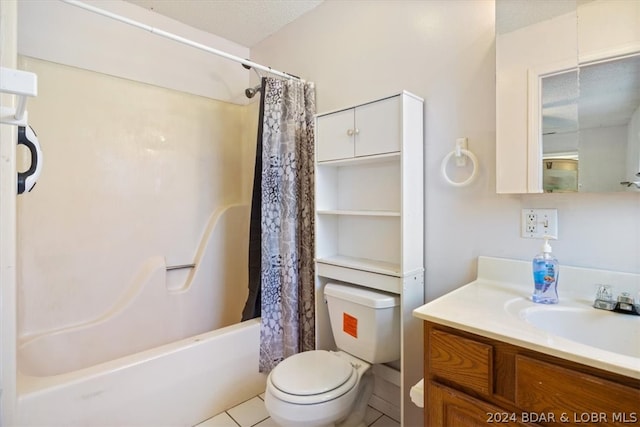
column 490, row 307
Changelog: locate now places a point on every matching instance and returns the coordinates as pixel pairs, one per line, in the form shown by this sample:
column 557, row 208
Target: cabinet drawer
column 450, row 408
column 542, row 387
column 462, row 361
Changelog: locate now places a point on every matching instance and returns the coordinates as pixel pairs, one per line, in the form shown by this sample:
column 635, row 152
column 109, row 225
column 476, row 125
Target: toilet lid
column 311, row 373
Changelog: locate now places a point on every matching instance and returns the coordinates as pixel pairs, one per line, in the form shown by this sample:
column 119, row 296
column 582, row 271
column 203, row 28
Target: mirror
column 588, row 119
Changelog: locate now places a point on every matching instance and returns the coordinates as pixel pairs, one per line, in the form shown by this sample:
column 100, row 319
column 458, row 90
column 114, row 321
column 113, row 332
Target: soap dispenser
column 545, row 276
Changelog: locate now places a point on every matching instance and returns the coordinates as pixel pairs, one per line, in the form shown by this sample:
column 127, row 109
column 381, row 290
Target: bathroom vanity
column 494, row 357
column 474, row 381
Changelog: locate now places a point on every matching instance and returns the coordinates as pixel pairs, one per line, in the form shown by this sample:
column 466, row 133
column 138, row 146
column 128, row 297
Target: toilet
column 332, row 388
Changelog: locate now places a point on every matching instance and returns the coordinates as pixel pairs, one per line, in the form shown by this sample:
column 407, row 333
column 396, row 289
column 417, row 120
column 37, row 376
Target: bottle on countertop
column 545, row 276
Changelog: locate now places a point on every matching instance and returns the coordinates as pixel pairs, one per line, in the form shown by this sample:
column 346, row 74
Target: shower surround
column 136, row 179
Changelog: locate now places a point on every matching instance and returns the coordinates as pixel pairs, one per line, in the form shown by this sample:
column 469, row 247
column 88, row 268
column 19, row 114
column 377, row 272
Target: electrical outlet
column 537, row 223
column 531, row 220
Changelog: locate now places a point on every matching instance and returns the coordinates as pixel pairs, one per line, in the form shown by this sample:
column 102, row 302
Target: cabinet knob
column 352, row 132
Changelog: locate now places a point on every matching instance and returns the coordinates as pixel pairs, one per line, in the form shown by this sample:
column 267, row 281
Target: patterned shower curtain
column 287, row 271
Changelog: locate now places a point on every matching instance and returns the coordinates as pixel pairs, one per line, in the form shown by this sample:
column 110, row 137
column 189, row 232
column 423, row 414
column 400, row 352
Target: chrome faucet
column 623, row 304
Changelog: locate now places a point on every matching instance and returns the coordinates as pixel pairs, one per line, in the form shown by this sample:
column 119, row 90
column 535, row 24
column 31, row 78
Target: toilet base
column 352, row 415
column 356, row 417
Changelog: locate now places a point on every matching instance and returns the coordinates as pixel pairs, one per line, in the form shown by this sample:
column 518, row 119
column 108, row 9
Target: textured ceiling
column 514, row 14
column 245, row 22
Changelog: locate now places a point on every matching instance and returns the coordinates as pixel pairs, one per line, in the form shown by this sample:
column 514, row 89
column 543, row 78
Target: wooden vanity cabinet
column 472, row 380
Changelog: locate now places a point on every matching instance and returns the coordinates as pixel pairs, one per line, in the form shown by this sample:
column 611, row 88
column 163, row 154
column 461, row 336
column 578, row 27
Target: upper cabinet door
column 365, row 130
column 336, row 131
column 378, row 127
column 520, row 46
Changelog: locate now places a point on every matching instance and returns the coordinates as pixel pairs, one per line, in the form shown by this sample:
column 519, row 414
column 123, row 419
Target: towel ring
column 474, row 163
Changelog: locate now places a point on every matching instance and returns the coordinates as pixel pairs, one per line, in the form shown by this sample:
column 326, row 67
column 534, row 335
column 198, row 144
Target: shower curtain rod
column 179, row 39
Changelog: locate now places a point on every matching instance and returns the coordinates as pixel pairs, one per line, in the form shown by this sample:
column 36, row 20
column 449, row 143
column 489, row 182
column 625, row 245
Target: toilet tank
column 365, row 322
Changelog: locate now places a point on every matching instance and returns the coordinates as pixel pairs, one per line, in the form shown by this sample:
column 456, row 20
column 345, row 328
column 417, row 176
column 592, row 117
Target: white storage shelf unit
column 369, row 199
column 359, row 215
column 370, row 225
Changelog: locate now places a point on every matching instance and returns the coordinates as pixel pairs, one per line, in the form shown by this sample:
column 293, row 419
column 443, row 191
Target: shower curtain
column 286, row 200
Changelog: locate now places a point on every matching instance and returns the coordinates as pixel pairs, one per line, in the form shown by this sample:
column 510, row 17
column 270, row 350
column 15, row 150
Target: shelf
column 358, row 212
column 361, row 160
column 364, row 264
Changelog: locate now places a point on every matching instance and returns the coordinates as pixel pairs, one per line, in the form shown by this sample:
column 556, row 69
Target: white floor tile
column 385, row 421
column 252, row 413
column 249, row 413
column 371, row 415
column 220, row 420
column 267, row 423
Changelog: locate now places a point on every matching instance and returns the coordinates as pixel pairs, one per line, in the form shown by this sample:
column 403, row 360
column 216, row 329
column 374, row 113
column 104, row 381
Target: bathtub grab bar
column 179, row 267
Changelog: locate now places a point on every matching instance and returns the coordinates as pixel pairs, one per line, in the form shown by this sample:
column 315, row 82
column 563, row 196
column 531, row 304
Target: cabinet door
column 542, row 387
column 518, row 53
column 451, row 408
column 378, row 127
column 335, row 136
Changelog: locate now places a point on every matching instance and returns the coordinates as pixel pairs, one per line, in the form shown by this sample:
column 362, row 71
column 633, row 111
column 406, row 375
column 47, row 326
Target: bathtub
column 168, row 352
column 177, row 384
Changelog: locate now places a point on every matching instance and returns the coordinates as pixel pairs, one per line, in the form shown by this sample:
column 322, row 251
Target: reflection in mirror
column 560, row 132
column 591, row 127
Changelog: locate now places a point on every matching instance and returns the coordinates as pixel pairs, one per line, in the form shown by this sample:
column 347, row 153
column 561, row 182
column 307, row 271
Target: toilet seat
column 312, row 377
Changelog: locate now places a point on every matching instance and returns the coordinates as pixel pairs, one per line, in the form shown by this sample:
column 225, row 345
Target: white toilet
column 324, row 388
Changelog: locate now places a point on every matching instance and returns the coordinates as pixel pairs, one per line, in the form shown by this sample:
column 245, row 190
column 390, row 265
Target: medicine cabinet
column 562, row 69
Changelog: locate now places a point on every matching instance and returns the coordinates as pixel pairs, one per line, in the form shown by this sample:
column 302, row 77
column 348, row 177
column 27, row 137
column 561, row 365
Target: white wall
column 444, row 51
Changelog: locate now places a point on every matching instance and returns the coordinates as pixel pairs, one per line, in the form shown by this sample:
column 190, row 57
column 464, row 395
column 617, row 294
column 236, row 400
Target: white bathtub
column 177, row 384
column 149, row 360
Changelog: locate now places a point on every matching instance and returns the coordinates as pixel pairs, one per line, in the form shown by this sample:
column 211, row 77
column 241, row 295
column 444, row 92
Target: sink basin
column 615, row 332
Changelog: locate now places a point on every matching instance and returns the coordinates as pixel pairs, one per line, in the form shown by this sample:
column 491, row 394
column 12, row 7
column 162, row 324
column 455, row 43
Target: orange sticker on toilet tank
column 350, row 325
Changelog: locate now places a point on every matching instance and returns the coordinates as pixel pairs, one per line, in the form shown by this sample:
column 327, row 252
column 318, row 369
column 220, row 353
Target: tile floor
column 252, row 413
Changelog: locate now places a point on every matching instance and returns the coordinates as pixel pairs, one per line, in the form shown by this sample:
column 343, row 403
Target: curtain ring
column 474, row 164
